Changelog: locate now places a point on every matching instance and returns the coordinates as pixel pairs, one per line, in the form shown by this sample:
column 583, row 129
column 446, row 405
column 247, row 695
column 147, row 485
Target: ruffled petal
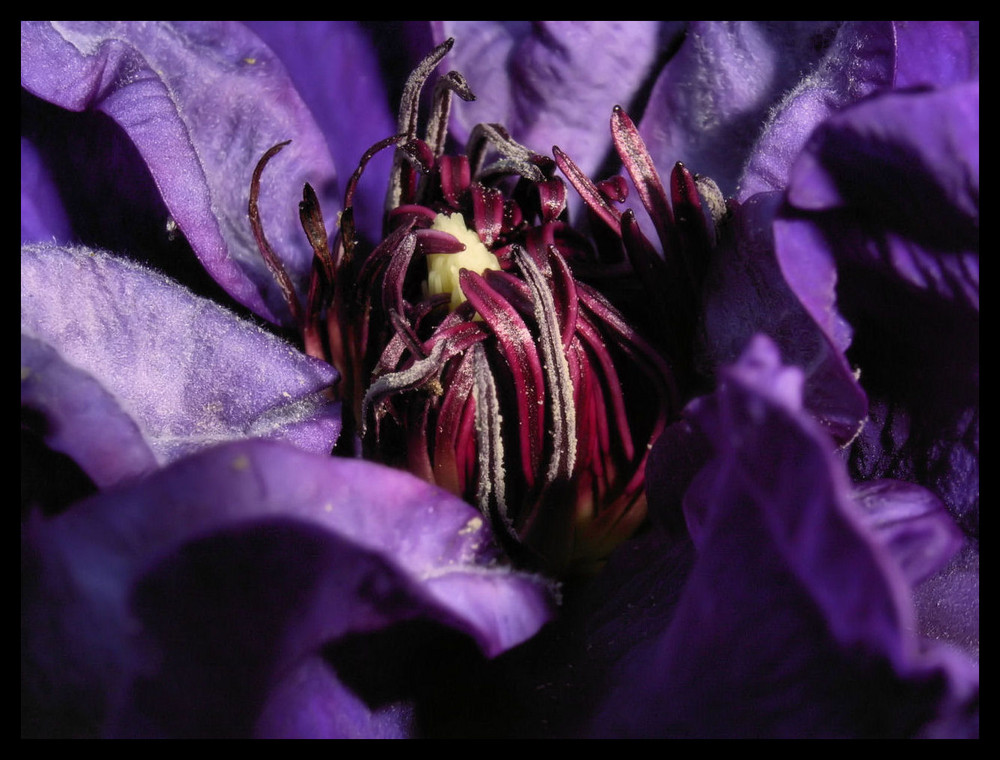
column 187, row 372
column 189, row 95
column 884, row 202
column 791, row 606
column 746, row 294
column 866, row 57
column 177, row 606
column 711, row 100
column 860, row 61
column 80, row 418
column 549, row 81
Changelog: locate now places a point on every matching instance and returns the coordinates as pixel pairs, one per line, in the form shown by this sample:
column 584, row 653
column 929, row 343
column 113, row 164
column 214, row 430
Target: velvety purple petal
column 176, row 605
column 189, row 373
column 81, row 418
column 793, row 622
column 554, row 82
column 885, row 203
column 866, row 57
column 712, row 98
column 936, row 53
column 921, row 147
column 42, row 214
column 860, row 61
column 311, row 703
column 335, row 68
column 948, row 603
column 746, row 294
column 189, row 95
column 912, row 524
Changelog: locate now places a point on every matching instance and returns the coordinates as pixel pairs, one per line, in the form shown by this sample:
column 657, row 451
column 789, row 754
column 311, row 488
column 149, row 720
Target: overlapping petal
column 335, row 68
column 712, row 98
column 745, row 293
column 884, row 203
column 186, row 372
column 790, row 604
column 866, row 57
column 202, row 102
column 547, row 81
column 42, row 214
column 253, row 588
column 182, row 605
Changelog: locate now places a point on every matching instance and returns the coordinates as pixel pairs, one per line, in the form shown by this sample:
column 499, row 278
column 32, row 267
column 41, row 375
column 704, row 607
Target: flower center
column 443, row 268
column 483, row 343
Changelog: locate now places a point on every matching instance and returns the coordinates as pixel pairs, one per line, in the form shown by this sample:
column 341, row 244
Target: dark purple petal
column 746, row 294
column 189, row 97
column 311, row 703
column 912, row 524
column 709, row 104
column 948, row 603
column 884, row 203
column 792, row 623
column 936, row 53
column 548, row 81
column 42, row 214
column 81, row 419
column 183, row 604
column 189, row 373
column 335, row 68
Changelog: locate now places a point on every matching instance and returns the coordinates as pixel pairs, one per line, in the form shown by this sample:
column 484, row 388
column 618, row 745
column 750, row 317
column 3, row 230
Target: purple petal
column 189, row 97
column 793, row 622
column 335, row 68
column 745, row 294
column 187, row 372
column 183, row 604
column 554, row 82
column 42, row 214
column 922, row 147
column 311, row 703
column 860, row 61
column 866, row 57
column 887, row 193
column 709, row 104
column 939, row 53
column 82, row 420
column 948, row 603
column 912, row 524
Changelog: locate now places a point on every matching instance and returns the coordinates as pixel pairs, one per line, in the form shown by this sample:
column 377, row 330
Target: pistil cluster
column 477, row 344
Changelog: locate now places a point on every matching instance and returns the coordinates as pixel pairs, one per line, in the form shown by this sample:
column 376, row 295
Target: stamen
column 490, row 490
column 266, row 251
column 408, row 111
column 639, row 164
column 417, row 374
column 437, row 126
column 588, row 191
column 517, row 159
column 560, row 386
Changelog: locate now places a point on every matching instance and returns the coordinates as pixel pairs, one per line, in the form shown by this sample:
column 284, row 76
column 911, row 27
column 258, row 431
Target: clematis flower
column 177, row 586
column 207, row 441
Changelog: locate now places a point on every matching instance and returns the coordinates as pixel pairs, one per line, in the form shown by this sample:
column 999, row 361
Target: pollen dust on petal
column 472, row 526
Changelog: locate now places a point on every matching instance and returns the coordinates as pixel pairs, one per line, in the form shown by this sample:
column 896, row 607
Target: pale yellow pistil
column 443, row 268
